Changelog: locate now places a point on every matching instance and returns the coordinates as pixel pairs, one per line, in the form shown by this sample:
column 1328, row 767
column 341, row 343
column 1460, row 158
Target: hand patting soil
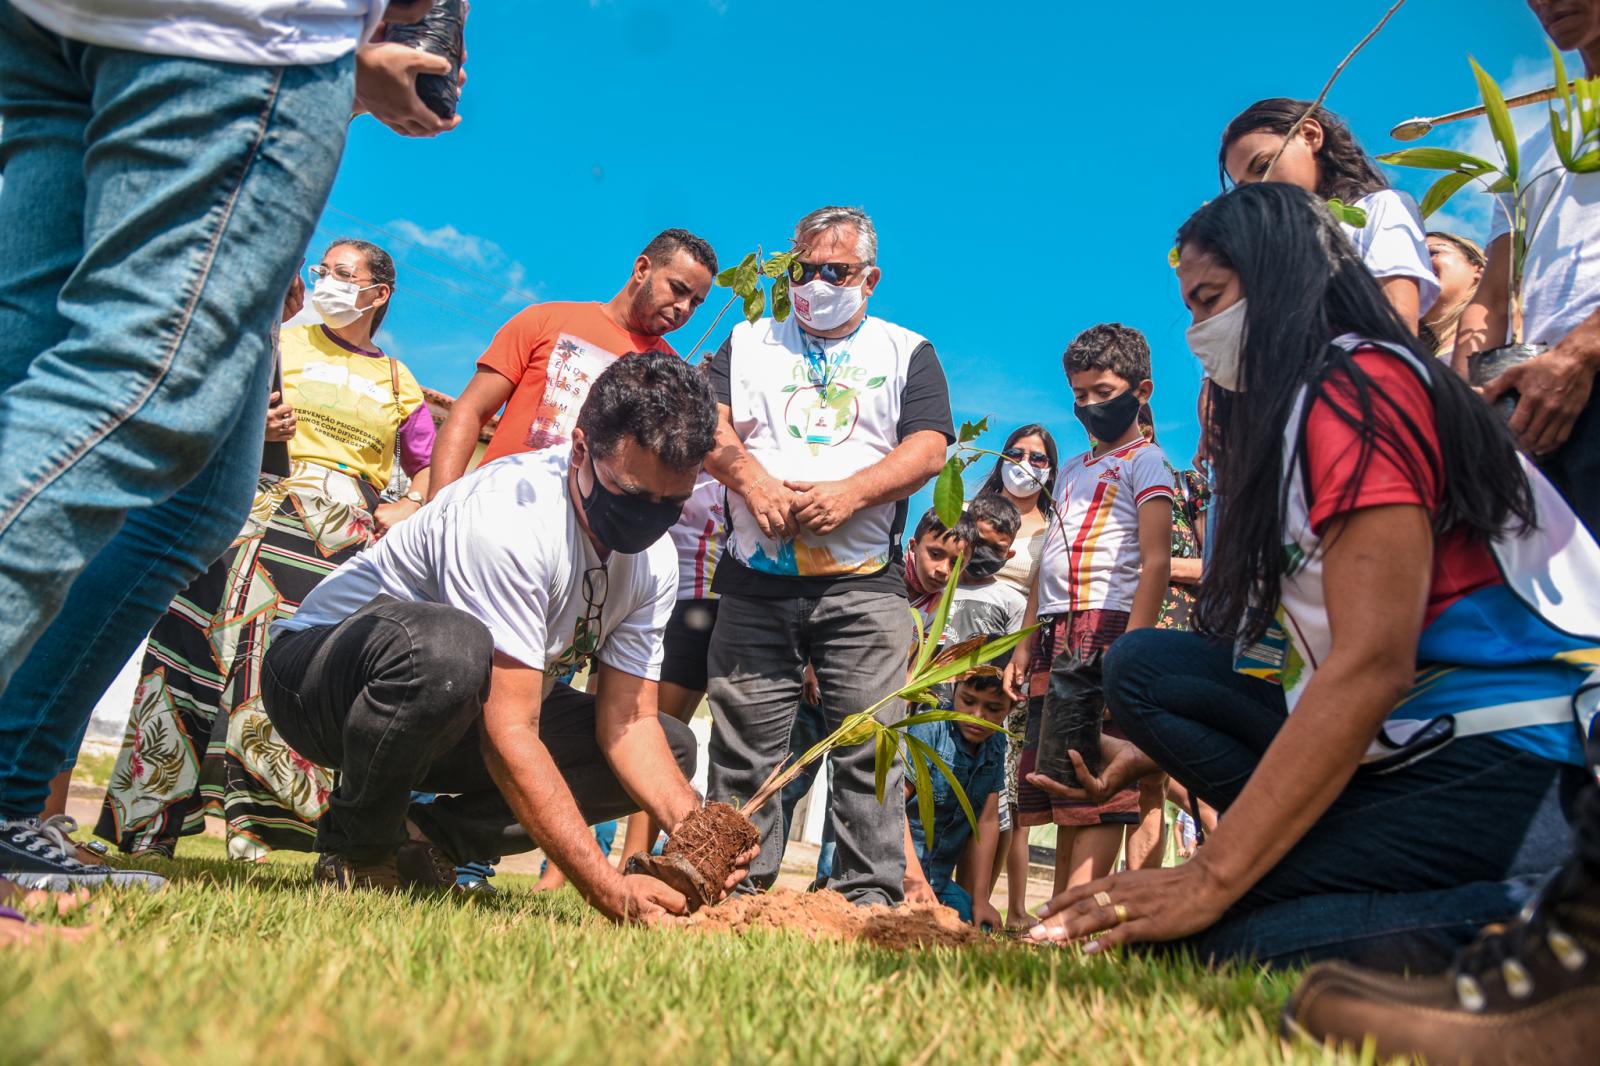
column 700, row 855
column 829, row 916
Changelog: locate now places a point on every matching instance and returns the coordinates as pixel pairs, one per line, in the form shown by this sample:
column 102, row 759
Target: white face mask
column 1217, row 343
column 335, row 301
column 822, row 305
column 1022, row 480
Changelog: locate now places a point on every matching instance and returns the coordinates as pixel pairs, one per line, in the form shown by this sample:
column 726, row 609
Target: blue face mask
column 626, row 524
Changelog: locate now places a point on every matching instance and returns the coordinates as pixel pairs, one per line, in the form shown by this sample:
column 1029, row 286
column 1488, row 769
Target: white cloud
column 479, row 257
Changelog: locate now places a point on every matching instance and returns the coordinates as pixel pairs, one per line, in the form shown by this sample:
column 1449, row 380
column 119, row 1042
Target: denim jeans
column 392, row 697
column 810, row 726
column 858, row 642
column 154, row 210
column 1403, row 865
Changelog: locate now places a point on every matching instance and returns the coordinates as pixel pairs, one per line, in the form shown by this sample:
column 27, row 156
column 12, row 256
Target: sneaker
column 347, row 874
column 40, row 854
column 423, row 868
column 472, row 878
column 1527, row 993
column 90, row 853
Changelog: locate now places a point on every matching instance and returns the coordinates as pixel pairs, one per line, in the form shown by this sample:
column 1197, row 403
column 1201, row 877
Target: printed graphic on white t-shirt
column 574, row 364
column 699, row 536
column 504, row 545
column 1097, row 568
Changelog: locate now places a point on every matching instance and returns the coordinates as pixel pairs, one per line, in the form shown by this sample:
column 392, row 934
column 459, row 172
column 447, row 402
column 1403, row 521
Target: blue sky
column 1026, row 164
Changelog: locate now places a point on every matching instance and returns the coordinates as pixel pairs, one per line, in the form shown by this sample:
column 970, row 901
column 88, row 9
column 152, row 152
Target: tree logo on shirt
column 826, row 417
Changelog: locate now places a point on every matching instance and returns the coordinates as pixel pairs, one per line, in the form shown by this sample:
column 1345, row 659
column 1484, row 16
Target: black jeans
column 392, row 698
column 1404, row 866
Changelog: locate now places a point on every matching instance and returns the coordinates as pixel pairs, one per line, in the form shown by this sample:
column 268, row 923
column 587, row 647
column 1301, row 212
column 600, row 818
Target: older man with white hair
column 829, row 421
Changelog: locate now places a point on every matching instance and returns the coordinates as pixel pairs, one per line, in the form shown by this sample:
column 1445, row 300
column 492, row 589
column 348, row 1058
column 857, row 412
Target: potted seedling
column 699, row 856
column 1575, row 129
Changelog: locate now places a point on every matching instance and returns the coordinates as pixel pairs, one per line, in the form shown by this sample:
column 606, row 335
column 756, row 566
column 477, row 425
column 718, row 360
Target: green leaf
column 755, row 304
column 946, row 716
column 774, row 268
column 1437, row 159
column 1439, row 194
column 1349, row 214
column 1494, row 103
column 1172, row 257
column 971, row 431
column 1561, row 125
column 949, row 493
column 791, row 388
column 885, row 760
column 873, row 383
column 780, row 298
column 793, row 432
column 1504, row 184
column 924, row 697
column 924, row 676
column 922, row 782
column 930, row 643
column 916, row 620
column 727, row 277
column 927, row 752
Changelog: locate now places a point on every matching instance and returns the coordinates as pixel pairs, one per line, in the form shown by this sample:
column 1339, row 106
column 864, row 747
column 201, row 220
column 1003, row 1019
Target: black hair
column 380, row 264
column 1348, row 173
column 668, row 242
column 995, row 509
column 1110, row 346
column 931, row 523
column 994, row 483
column 984, row 681
column 657, row 399
column 1306, row 285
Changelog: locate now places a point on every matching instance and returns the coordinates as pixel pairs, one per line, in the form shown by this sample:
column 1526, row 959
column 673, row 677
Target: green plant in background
column 949, row 491
column 745, row 281
column 1575, row 129
column 930, row 668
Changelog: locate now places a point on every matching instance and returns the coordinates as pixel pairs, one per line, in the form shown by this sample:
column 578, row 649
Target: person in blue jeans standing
column 977, row 758
column 164, row 165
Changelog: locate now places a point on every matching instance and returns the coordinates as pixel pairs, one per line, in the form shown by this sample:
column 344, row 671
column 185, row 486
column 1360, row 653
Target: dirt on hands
column 700, row 854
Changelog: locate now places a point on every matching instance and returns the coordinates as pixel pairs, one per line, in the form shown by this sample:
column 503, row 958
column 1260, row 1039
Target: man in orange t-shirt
column 540, row 365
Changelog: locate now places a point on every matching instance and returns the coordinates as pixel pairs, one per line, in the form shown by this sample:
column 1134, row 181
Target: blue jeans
column 810, row 726
column 154, row 210
column 1403, row 867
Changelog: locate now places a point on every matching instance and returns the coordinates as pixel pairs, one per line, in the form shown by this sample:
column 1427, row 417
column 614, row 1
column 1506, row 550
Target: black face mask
column 986, row 561
column 1109, row 420
column 626, row 524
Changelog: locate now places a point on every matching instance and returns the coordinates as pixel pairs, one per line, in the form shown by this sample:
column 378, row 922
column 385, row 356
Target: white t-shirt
column 268, row 33
column 504, row 545
column 701, row 532
column 1394, row 242
column 1098, row 501
column 1561, row 282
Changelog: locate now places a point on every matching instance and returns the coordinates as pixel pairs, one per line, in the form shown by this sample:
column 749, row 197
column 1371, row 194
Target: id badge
column 820, row 429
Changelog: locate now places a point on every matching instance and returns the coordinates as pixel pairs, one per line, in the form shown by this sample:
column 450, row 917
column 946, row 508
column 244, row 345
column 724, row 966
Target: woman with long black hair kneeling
column 1399, row 654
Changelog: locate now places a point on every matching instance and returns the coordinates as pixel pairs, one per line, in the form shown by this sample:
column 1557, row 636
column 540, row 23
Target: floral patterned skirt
column 198, row 739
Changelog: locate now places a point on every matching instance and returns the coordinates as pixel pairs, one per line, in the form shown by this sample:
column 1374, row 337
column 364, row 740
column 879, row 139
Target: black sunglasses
column 832, row 273
column 1038, row 459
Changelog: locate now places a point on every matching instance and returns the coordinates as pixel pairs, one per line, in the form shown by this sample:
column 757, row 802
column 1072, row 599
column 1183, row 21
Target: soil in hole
column 829, row 916
column 699, row 857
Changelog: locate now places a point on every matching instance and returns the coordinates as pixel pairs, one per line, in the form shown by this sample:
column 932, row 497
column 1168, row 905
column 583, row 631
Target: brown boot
column 424, row 868
column 348, row 874
column 1527, row 993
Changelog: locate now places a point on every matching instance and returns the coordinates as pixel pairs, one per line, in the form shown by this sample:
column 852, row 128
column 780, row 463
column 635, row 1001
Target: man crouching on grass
column 429, row 663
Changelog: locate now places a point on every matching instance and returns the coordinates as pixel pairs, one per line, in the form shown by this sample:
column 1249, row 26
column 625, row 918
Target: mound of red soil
column 829, row 916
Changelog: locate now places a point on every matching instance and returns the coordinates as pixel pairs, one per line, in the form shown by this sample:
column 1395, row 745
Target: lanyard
column 823, row 366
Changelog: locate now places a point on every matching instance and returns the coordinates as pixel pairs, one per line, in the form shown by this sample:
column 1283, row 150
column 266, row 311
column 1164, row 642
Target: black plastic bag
column 441, row 32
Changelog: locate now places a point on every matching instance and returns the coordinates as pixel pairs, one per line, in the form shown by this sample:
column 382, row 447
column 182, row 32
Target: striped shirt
column 1098, row 499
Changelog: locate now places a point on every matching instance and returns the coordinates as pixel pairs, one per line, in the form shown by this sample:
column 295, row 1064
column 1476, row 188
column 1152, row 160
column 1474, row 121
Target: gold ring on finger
column 1121, row 912
column 1103, row 898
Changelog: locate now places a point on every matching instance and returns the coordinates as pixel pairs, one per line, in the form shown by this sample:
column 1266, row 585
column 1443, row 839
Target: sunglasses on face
column 1035, row 459
column 832, row 273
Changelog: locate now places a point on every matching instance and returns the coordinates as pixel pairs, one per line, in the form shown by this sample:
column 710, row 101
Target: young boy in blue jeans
column 978, row 758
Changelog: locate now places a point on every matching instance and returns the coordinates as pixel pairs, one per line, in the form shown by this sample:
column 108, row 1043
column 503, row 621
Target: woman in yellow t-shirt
column 197, row 738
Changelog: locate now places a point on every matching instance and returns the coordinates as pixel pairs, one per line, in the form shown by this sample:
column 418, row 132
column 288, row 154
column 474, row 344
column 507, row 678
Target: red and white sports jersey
column 699, row 536
column 1097, row 567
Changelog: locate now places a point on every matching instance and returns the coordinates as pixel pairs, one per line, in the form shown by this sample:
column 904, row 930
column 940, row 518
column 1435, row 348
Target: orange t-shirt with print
column 551, row 353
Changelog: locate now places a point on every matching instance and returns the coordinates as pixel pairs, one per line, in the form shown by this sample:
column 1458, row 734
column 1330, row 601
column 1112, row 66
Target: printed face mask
column 1217, row 343
column 822, row 305
column 1022, row 480
column 626, row 524
column 1109, row 420
column 986, row 561
column 335, row 301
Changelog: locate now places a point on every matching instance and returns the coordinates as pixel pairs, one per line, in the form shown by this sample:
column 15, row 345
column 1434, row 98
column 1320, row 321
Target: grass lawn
column 247, row 964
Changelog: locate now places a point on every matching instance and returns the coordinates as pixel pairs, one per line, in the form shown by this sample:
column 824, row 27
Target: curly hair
column 1347, row 172
column 657, row 399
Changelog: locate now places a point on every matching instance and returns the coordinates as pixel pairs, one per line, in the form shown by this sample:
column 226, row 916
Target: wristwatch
column 415, row 497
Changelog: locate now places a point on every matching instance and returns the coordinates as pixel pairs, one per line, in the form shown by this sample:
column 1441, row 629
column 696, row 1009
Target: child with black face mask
column 1103, row 571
